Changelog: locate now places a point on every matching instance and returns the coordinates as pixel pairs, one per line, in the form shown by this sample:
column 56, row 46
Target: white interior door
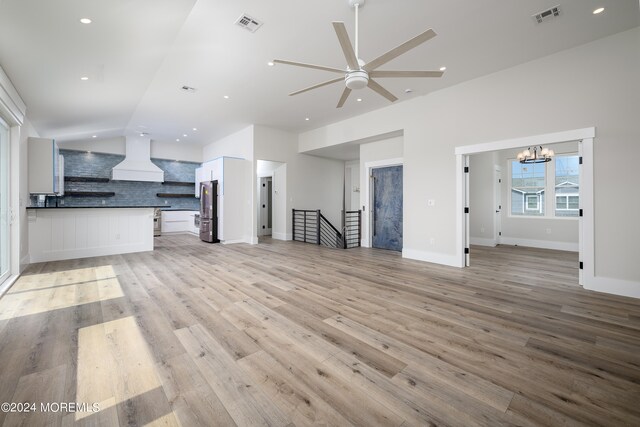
column 497, row 189
column 266, row 206
column 467, row 236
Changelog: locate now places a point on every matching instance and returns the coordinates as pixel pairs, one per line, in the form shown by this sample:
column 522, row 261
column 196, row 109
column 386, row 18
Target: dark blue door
column 387, row 208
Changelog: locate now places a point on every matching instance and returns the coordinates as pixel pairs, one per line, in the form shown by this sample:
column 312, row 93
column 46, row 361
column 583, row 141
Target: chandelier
column 532, row 155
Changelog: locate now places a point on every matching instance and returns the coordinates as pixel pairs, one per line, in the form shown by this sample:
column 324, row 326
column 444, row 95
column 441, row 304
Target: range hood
column 137, row 164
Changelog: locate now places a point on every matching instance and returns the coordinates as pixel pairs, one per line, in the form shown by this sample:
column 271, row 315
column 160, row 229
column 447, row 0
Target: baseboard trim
column 480, row 241
column 608, row 285
column 173, row 233
column 542, row 244
column 436, row 258
column 231, row 242
column 281, row 236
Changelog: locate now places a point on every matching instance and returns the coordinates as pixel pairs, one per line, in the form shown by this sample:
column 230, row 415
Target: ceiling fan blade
column 328, row 82
column 344, row 97
column 406, row 74
column 315, row 67
column 404, row 47
column 345, row 43
column 382, row 91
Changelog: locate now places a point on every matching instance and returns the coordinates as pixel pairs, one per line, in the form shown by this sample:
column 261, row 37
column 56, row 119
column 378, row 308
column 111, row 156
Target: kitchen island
column 59, row 233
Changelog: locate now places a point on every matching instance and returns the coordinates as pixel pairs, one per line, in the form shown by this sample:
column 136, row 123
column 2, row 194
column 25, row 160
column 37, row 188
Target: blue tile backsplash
column 127, row 193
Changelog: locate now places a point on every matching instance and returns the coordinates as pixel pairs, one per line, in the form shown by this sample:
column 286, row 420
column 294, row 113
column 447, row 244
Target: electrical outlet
column 482, row 229
column 548, row 231
column 104, row 203
column 432, row 241
column 431, row 202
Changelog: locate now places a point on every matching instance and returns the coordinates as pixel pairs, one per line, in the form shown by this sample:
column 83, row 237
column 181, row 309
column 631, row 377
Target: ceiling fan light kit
column 359, row 74
column 357, row 79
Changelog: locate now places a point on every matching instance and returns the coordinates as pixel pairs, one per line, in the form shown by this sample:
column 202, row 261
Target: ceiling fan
column 360, row 74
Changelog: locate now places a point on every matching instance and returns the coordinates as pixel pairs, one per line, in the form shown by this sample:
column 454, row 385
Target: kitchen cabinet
column 178, row 222
column 46, row 170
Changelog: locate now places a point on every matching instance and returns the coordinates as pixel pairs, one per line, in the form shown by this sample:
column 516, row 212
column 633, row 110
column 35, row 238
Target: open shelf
column 176, row 195
column 180, row 183
column 89, row 194
column 85, row 179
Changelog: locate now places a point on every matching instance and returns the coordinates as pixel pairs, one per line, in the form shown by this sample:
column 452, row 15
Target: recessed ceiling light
column 270, row 64
column 307, row 118
column 443, row 68
column 185, row 135
column 359, row 99
column 94, row 136
column 408, row 90
column 84, row 78
column 598, row 10
column 226, row 97
column 195, row 129
column 85, row 20
column 177, row 139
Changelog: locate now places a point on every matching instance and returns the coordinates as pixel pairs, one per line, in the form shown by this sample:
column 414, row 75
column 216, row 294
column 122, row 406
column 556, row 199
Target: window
column 567, row 185
column 533, row 202
column 567, row 203
column 530, row 184
column 527, row 188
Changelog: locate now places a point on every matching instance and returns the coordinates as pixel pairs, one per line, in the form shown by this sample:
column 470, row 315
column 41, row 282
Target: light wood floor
column 294, row 334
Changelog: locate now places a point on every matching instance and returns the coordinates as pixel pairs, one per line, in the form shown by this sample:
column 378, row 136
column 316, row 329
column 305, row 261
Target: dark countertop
column 98, row 207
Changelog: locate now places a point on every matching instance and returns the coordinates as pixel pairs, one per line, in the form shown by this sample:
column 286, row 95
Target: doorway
column 585, row 138
column 386, row 221
column 266, row 206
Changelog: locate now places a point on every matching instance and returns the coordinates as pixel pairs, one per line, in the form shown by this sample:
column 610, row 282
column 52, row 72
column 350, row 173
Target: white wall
column 159, row 149
column 564, row 91
column 352, row 185
column 379, row 151
column 107, row 145
column 176, row 151
column 266, row 167
column 312, row 182
column 239, row 144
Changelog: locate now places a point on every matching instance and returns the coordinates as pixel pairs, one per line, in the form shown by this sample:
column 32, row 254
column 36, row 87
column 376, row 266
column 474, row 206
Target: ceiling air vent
column 248, row 23
column 547, row 15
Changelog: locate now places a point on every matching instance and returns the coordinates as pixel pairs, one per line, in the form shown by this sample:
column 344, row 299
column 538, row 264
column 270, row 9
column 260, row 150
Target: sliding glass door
column 4, row 201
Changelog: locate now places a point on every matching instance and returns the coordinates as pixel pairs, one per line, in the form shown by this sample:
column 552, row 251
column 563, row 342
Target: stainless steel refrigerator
column 209, row 211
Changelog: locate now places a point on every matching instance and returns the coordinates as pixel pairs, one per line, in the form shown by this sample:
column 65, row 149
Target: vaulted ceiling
column 137, row 54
